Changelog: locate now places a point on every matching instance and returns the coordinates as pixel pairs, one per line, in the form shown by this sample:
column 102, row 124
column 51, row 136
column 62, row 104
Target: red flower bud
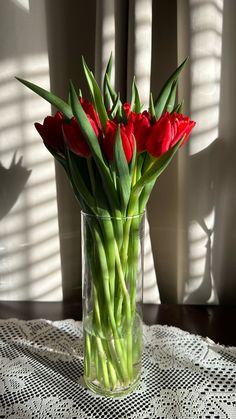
column 51, row 132
column 167, row 131
column 72, row 132
column 126, row 138
column 90, row 111
column 127, row 109
column 141, row 128
column 75, row 139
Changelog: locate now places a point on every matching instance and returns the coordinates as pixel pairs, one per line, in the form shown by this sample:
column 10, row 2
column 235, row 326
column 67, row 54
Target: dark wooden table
column 216, row 322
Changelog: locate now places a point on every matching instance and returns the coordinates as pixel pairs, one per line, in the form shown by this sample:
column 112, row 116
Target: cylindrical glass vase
column 112, row 260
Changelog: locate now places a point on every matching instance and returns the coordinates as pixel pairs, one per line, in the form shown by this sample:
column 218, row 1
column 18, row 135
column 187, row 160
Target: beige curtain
column 190, row 258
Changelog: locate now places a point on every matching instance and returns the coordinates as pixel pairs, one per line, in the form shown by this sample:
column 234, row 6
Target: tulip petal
column 74, row 138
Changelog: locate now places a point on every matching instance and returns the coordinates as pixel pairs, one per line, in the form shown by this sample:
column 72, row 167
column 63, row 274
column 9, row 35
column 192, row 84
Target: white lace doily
column 183, row 376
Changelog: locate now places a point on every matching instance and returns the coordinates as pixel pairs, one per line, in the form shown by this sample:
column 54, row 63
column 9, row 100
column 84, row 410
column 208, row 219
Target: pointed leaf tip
column 50, row 97
column 161, row 101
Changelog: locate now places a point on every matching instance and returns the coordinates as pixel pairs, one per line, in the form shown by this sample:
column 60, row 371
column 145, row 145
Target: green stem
column 133, row 261
column 144, row 196
column 127, row 312
column 103, row 360
column 107, row 345
column 133, row 206
column 88, row 355
column 105, row 279
column 108, row 240
column 112, row 374
column 111, row 355
column 91, row 175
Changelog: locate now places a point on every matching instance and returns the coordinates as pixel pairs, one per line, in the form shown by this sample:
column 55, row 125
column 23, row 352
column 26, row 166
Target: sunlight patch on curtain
column 29, row 242
column 206, row 20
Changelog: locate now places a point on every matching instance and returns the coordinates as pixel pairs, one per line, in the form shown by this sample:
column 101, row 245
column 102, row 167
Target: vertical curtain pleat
column 139, row 64
column 121, row 46
column 163, row 205
column 68, row 39
column 105, row 37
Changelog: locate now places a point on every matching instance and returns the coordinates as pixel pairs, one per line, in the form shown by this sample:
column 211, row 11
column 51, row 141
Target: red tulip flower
column 167, row 131
column 141, row 128
column 91, row 112
column 126, row 132
column 51, row 132
column 73, row 135
column 75, row 139
column 127, row 109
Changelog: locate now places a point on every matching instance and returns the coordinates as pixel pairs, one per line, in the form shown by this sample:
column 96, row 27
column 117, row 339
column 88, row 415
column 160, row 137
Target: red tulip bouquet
column 113, row 153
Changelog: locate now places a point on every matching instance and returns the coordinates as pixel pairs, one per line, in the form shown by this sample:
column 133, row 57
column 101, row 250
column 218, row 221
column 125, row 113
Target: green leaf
column 106, row 93
column 77, row 180
column 94, row 146
column 135, row 100
column 133, row 161
column 80, row 94
column 50, row 97
column 96, row 95
column 84, row 123
column 160, row 102
column 179, row 107
column 64, row 162
column 145, row 195
column 112, row 91
column 140, row 163
column 57, row 156
column 170, row 104
column 115, row 107
column 152, row 109
column 101, row 199
column 156, row 169
column 69, row 101
column 122, row 170
column 121, row 115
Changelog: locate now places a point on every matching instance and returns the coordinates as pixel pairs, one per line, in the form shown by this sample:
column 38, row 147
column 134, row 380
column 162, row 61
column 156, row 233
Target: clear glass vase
column 112, row 260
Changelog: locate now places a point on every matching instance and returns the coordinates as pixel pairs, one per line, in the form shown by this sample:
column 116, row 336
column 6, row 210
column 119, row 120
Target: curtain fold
column 140, row 33
column 163, row 205
column 67, row 42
